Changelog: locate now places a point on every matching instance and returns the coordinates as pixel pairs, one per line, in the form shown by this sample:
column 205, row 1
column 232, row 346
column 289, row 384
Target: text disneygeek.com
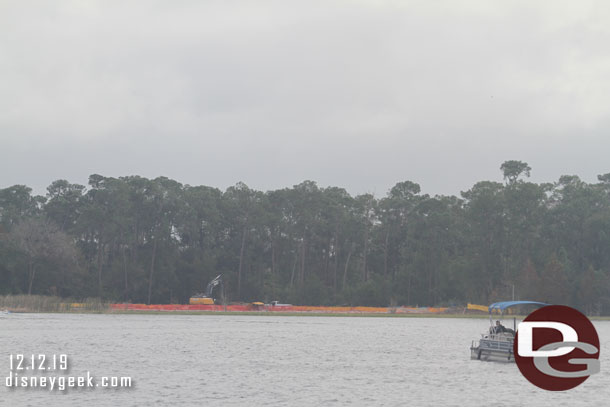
column 34, row 371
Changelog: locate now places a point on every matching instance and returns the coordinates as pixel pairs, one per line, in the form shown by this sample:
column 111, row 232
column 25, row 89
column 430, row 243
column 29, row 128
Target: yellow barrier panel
column 485, row 308
column 476, row 307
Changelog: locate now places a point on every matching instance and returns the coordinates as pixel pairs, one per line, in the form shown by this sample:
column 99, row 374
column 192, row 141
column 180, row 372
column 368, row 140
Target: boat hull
column 489, row 355
column 493, row 349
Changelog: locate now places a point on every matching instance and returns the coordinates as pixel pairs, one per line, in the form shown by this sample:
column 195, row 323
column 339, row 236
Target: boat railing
column 497, row 337
column 501, row 338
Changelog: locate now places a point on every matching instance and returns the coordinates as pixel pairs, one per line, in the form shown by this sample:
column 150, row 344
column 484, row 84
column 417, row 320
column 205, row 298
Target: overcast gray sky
column 356, row 94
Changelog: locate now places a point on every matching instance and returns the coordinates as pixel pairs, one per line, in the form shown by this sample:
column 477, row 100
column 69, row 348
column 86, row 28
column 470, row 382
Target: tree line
column 135, row 239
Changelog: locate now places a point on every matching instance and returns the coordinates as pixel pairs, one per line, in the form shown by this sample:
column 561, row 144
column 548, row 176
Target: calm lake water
column 204, row 360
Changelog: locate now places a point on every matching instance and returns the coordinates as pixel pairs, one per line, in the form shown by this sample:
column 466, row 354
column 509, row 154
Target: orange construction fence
column 271, row 308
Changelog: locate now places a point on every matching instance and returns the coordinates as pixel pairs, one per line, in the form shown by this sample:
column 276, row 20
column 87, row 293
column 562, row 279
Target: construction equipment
column 207, row 297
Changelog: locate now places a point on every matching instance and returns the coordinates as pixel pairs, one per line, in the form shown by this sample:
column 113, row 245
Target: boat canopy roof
column 506, row 304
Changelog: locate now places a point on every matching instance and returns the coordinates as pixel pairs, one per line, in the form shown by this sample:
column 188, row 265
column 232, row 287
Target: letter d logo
column 526, row 338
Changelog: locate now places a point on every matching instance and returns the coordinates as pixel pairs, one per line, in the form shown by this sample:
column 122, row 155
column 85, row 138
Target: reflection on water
column 276, row 361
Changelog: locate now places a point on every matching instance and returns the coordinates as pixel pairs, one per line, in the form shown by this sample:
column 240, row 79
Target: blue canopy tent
column 501, row 306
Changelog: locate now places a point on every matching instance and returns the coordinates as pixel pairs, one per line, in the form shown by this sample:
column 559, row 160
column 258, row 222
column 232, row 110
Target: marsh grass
column 43, row 303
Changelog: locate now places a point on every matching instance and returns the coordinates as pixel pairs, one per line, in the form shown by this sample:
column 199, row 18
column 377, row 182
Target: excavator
column 207, row 298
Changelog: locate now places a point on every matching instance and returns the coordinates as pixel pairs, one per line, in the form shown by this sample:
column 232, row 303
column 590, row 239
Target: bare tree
column 40, row 240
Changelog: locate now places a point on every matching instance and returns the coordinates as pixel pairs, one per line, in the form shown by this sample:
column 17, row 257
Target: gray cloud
column 354, row 94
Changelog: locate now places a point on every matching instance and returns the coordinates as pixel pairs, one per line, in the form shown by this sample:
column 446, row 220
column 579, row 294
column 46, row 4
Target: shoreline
column 285, row 314
column 259, row 313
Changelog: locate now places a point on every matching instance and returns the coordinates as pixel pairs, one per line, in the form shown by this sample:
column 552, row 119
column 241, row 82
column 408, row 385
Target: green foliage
column 513, row 169
column 156, row 240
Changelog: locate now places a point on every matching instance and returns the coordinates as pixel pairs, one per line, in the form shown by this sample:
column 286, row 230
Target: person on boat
column 499, row 328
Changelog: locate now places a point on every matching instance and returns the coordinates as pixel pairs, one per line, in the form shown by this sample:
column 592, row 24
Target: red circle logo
column 556, row 348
